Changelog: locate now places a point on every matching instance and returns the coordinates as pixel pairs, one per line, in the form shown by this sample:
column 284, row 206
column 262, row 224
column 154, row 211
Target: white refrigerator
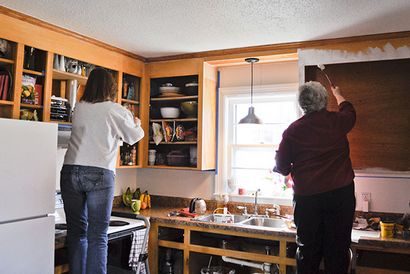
column 27, row 187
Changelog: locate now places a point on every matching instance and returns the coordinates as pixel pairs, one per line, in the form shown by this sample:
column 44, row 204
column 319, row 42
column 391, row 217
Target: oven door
column 118, row 255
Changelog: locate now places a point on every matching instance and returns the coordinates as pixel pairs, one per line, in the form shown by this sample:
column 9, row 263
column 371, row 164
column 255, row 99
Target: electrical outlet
column 366, row 196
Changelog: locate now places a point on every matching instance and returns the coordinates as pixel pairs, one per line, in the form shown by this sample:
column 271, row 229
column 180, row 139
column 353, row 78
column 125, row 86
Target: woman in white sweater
column 88, row 174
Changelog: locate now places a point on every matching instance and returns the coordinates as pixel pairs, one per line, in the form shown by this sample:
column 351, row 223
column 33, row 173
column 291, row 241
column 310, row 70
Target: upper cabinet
column 376, row 81
column 44, row 70
column 182, row 120
column 7, row 77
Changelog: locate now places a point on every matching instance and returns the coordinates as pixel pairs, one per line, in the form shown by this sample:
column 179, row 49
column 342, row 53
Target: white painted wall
column 387, row 194
column 177, row 183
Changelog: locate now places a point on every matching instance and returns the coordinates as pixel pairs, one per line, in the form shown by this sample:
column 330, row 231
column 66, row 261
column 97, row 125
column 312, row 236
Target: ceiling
column 153, row 28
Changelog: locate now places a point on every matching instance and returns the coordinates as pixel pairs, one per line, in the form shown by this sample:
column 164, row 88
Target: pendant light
column 251, row 118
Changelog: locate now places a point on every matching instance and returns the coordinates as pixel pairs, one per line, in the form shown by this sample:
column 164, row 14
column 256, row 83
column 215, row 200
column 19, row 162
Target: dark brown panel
column 380, row 92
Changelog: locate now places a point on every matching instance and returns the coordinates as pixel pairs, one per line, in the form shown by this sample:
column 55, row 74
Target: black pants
column 324, row 226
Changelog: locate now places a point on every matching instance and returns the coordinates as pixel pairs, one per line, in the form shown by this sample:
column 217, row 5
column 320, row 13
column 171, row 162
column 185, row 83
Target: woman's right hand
column 337, row 94
column 137, row 121
column 335, row 91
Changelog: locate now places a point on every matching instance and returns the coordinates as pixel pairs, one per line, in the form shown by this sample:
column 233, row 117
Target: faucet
column 275, row 210
column 255, row 207
column 244, row 209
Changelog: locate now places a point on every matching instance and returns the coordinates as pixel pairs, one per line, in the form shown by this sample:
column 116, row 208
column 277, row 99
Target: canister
column 387, row 229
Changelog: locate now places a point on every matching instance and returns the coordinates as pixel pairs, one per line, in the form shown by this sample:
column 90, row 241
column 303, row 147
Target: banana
column 127, row 197
column 142, row 197
column 148, row 201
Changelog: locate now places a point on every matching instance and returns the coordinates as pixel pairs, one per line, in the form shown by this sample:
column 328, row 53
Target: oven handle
column 144, row 256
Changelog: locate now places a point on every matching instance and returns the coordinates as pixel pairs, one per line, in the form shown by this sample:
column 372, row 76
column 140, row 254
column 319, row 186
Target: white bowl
column 169, row 112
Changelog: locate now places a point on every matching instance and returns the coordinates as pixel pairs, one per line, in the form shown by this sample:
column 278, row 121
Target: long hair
column 100, row 87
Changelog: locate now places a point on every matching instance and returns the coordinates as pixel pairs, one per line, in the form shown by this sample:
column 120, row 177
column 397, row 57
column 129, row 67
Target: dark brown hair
column 100, row 87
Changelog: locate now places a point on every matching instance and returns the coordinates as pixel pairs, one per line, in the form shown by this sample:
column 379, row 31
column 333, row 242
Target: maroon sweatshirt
column 315, row 150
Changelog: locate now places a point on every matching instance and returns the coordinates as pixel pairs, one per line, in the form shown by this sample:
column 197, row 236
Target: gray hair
column 312, row 97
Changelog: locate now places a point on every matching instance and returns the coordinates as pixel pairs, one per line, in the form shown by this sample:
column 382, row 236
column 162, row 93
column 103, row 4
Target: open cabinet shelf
column 190, row 89
column 62, row 75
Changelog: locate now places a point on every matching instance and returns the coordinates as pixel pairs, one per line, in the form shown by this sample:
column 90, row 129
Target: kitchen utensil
column 169, row 112
column 136, row 206
column 56, row 62
column 193, row 155
column 151, row 156
column 191, row 89
column 200, row 206
column 184, row 212
column 322, row 68
column 190, row 108
column 168, row 88
column 197, row 205
column 217, row 270
column 4, row 48
column 62, row 63
column 177, row 158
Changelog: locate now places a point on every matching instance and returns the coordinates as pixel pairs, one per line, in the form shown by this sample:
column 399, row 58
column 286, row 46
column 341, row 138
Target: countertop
column 159, row 214
column 359, row 237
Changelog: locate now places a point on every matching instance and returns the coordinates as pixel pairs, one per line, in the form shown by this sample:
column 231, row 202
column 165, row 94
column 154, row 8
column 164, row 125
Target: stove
column 119, row 237
column 117, row 224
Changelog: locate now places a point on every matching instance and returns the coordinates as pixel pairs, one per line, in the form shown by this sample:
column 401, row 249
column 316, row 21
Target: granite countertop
column 160, row 214
column 359, row 237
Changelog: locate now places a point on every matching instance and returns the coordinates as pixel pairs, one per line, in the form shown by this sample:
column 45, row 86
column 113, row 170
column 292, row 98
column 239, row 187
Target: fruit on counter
column 127, row 197
column 145, row 198
column 143, row 205
column 137, row 194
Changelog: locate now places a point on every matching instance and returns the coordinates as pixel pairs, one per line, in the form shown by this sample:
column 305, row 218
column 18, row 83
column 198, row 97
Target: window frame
column 228, row 97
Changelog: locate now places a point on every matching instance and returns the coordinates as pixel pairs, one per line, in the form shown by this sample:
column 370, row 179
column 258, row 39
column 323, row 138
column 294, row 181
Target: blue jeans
column 88, row 194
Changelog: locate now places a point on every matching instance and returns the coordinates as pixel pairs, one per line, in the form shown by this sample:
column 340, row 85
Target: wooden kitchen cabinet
column 379, row 93
column 46, row 44
column 193, row 245
column 197, row 148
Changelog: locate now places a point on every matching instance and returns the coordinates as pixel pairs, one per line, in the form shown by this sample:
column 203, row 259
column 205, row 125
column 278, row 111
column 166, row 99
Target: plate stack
column 60, row 109
column 168, row 90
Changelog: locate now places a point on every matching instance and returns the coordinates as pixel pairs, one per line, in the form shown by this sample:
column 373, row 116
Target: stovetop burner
column 118, row 223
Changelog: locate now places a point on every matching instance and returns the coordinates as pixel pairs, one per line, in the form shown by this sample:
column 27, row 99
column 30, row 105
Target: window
column 247, row 152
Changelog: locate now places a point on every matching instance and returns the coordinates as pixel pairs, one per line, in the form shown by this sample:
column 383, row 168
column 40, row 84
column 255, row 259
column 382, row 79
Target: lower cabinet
column 182, row 249
column 374, row 261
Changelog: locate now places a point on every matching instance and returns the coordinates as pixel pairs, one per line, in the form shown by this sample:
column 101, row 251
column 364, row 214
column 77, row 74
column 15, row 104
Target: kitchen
column 282, row 67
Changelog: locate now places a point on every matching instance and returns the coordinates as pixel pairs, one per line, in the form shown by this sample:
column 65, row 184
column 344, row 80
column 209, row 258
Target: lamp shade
column 251, row 118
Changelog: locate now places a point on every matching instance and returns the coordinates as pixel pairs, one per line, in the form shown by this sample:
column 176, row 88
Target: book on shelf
column 4, row 86
column 2, row 77
column 38, row 94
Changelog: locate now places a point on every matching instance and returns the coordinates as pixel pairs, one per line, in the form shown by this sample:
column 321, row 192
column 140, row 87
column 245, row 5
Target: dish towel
column 136, row 250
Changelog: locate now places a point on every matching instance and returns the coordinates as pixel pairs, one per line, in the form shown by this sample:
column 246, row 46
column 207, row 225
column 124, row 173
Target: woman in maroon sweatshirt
column 315, row 151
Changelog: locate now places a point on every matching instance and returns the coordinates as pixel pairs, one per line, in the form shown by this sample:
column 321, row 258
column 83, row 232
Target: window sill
column 286, row 201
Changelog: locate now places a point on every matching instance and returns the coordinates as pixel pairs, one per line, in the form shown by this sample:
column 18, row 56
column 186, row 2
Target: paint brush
column 322, row 68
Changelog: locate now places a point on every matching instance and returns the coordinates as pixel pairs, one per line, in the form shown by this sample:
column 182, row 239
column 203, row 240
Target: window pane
column 276, row 112
column 252, row 147
column 270, row 184
column 248, row 157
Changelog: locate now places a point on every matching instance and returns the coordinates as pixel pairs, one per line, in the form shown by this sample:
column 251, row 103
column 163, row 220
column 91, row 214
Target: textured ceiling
column 153, row 28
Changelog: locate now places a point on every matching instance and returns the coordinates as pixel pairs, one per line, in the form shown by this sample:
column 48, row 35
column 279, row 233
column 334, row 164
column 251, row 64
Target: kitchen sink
column 219, row 218
column 265, row 222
